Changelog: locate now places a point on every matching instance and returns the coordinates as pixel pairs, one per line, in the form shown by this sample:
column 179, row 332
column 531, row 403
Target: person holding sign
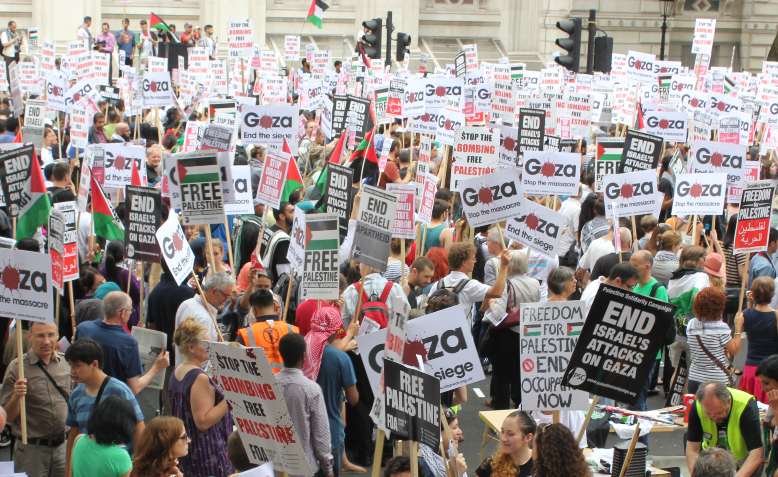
column 268, row 329
column 217, row 289
column 514, row 455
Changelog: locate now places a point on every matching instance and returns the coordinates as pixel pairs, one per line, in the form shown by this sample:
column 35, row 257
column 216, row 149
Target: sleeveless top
column 207, row 450
column 433, row 236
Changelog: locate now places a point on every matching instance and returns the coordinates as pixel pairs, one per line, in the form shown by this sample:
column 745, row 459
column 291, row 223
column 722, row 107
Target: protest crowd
column 213, row 268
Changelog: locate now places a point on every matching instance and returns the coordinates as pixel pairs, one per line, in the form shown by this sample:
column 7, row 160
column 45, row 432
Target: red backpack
column 374, row 308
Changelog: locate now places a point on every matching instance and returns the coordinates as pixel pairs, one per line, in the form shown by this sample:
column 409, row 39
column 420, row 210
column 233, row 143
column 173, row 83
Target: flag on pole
column 36, row 211
column 135, row 175
column 158, row 23
column 107, row 224
column 324, row 175
column 294, row 180
column 316, row 12
column 366, row 149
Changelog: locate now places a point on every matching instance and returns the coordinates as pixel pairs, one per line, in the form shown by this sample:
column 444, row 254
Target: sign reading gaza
column 699, row 194
column 632, row 193
column 641, row 151
column 491, row 198
column 537, row 227
column 176, row 251
column 551, row 173
column 618, row 343
column 412, row 404
column 24, row 281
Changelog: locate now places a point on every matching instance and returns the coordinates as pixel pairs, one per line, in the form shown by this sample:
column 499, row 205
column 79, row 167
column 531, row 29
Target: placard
column 15, row 175
column 144, row 216
column 412, row 403
column 175, row 249
column 699, row 194
column 238, row 200
column 292, row 47
column 671, row 126
column 403, row 225
column 547, row 336
column 537, row 227
column 77, row 92
column 608, row 159
column 641, row 151
column 201, row 190
column 55, row 236
column 35, row 113
column 118, row 159
column 240, row 38
column 271, row 183
column 258, row 408
column 157, row 90
column 377, row 209
column 551, row 173
column 70, row 257
column 270, row 125
column 752, row 231
column 321, row 268
column 509, row 146
column 711, row 156
column 25, row 282
column 632, row 193
column 491, row 198
column 618, row 343
column 337, row 198
column 216, row 137
column 704, row 31
column 532, row 129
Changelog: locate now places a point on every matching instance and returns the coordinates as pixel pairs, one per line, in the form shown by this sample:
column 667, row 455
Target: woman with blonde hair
column 196, row 400
column 163, row 441
column 514, row 454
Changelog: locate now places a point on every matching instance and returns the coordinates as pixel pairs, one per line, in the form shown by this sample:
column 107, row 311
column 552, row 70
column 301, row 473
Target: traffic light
column 603, row 51
column 571, row 44
column 403, row 45
column 371, row 40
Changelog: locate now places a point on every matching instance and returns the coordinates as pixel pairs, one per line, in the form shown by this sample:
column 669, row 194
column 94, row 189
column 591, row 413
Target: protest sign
column 710, row 156
column 443, row 342
column 377, row 209
column 339, row 110
column 35, row 113
column 69, row 240
column 426, row 198
column 81, row 118
column 237, row 191
column 258, row 408
column 157, row 90
column 56, row 87
column 751, row 170
column 271, row 183
column 25, row 282
column 150, row 344
column 509, row 146
column 216, row 137
column 144, row 216
column 678, row 384
column 537, row 227
column 201, row 192
column 704, row 31
column 632, row 193
column 547, row 336
column 296, row 252
column 34, row 136
column 56, row 234
column 551, row 173
column 404, row 226
column 358, row 116
column 320, row 274
column 640, row 66
column 491, row 198
column 270, row 125
column 476, row 145
column 118, row 159
column 394, row 102
column 175, row 248
column 532, row 127
column 337, row 198
column 412, row 404
column 111, row 94
column 671, row 126
column 240, row 38
column 618, row 343
column 413, row 98
column 752, row 231
column 641, row 151
column 77, row 92
column 449, row 127
column 607, row 160
column 292, row 47
column 15, row 168
column 699, row 194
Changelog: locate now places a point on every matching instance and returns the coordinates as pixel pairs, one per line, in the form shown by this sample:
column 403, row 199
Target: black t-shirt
column 602, row 267
column 485, row 469
column 749, row 428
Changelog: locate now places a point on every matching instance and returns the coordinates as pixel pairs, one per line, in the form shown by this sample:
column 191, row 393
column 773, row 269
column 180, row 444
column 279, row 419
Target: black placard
column 144, row 216
column 641, row 151
column 532, row 129
column 618, row 344
column 680, row 376
column 358, row 116
column 15, row 167
column 338, row 197
column 412, row 404
column 216, row 137
column 339, row 109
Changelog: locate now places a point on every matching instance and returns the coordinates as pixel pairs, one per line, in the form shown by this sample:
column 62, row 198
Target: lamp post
column 667, row 8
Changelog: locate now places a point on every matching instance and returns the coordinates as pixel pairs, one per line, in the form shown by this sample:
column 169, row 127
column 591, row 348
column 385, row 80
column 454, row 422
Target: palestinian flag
column 532, row 330
column 198, row 170
column 324, row 175
column 135, row 175
column 35, row 211
column 321, row 235
column 106, row 223
column 610, row 150
column 574, row 329
column 316, row 12
column 158, row 23
column 294, row 180
column 681, row 292
column 366, row 149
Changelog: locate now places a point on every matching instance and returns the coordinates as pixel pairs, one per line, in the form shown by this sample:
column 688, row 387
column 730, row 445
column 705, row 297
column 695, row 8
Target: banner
column 201, row 191
column 271, row 183
column 537, row 227
column 607, row 160
column 752, row 231
column 618, row 344
column 491, row 198
column 377, row 209
column 699, row 194
column 175, row 249
column 551, row 173
column 118, row 159
column 144, row 216
column 641, row 151
column 671, row 126
column 632, row 193
column 321, row 272
column 337, row 197
column 70, row 258
column 157, row 90
column 547, row 336
column 258, row 408
column 403, row 225
column 25, row 279
column 412, row 404
column 270, row 125
column 532, row 129
column 710, row 156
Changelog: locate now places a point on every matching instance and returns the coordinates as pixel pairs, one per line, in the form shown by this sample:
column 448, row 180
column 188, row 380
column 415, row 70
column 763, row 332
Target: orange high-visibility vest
column 267, row 337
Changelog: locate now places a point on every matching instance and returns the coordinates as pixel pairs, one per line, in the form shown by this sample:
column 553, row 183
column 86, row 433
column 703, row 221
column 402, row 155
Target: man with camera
column 11, row 42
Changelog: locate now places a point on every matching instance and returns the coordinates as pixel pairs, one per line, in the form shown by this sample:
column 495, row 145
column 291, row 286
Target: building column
column 520, row 28
column 58, row 20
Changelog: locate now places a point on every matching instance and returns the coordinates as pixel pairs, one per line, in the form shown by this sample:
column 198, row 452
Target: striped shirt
column 734, row 262
column 714, row 335
column 392, row 272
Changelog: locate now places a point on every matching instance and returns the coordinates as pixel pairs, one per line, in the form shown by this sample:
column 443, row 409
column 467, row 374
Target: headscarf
column 106, row 288
column 325, row 322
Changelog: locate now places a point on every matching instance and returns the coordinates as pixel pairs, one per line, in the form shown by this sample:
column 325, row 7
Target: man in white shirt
column 210, row 42
column 83, row 32
column 571, row 210
column 623, row 275
column 148, row 40
column 461, row 260
column 11, row 42
column 218, row 288
column 603, row 246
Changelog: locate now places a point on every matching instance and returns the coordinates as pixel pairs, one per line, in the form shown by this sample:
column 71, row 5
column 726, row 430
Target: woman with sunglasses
column 514, row 454
column 556, row 454
column 162, row 443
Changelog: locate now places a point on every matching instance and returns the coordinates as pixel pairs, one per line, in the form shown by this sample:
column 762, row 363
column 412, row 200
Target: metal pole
column 389, row 30
column 664, row 33
column 592, row 27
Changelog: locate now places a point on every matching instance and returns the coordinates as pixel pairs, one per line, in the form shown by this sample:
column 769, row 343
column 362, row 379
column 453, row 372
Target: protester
column 623, row 275
column 438, row 233
column 763, row 263
column 373, row 287
column 514, row 454
column 268, row 330
column 556, row 454
column 200, row 404
column 217, row 288
column 714, row 462
column 420, row 277
column 162, row 443
column 561, row 284
column 162, row 305
column 683, row 286
column 103, row 451
column 760, row 323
